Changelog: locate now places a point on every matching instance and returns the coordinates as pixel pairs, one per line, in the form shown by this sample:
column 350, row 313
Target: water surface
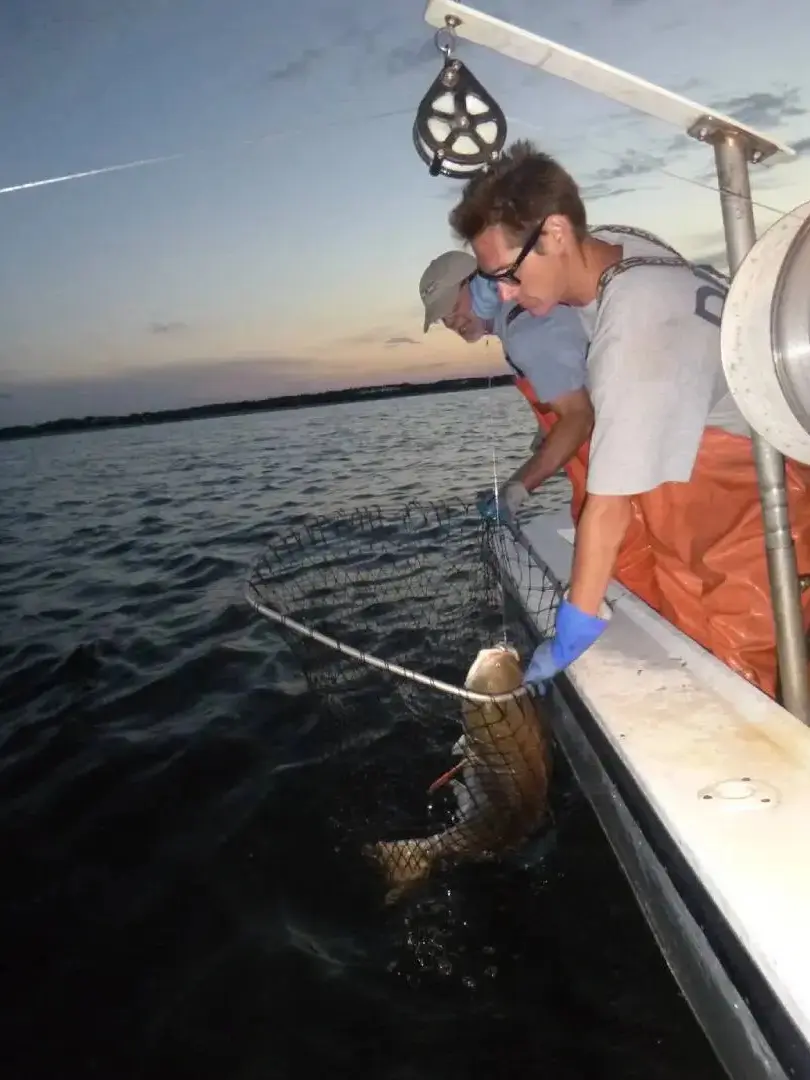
column 182, row 893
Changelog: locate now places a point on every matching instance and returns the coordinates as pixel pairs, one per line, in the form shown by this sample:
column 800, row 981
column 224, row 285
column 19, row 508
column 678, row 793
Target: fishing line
column 493, row 444
column 143, row 162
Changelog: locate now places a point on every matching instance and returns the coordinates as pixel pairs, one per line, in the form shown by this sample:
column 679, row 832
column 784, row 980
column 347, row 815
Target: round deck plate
column 740, row 793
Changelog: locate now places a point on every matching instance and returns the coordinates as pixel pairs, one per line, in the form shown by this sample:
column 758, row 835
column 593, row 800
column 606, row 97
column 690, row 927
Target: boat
column 700, row 781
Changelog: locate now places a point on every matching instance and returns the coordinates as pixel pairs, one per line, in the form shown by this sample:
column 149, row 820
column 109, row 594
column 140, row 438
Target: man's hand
column 574, row 632
column 511, row 497
column 600, row 532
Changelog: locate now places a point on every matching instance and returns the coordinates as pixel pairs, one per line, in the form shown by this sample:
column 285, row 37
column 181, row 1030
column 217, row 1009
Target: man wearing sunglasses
column 547, row 357
column 670, row 453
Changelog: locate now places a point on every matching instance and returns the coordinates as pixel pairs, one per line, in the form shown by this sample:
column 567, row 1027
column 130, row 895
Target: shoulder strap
column 701, row 270
column 630, row 264
column 642, row 234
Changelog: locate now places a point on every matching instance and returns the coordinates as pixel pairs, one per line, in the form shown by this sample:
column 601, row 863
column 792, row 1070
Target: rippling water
column 179, row 894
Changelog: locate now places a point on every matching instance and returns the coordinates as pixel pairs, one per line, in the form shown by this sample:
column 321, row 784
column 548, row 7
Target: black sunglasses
column 510, row 273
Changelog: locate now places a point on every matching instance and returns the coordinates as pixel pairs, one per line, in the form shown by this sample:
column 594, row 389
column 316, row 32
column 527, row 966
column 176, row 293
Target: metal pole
column 738, row 221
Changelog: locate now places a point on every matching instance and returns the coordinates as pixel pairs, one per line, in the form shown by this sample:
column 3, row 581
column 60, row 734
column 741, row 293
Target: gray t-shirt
column 550, row 351
column 654, row 371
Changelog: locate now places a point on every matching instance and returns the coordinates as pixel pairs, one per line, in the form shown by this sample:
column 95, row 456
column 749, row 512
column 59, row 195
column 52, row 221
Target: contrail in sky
column 89, row 172
column 175, row 157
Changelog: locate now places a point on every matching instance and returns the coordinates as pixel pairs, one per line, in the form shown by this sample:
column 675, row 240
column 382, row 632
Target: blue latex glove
column 574, row 633
column 485, row 298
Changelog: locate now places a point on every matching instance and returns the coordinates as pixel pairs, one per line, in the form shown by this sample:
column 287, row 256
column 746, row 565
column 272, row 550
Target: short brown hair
column 520, row 189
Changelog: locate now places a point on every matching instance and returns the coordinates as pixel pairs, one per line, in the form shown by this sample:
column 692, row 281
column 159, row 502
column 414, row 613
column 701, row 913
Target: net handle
column 375, row 661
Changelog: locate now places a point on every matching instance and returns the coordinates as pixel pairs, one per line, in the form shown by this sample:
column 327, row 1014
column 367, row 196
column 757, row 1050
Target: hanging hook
column 445, row 36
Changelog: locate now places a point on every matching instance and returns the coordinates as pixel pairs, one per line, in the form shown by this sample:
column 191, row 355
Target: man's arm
column 551, row 352
column 652, row 377
column 602, row 526
column 581, row 620
column 573, row 427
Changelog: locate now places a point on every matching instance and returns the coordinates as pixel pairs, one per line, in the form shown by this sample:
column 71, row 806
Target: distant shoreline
column 236, row 408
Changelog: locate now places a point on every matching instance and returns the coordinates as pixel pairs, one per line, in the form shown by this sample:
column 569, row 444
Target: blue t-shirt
column 551, row 351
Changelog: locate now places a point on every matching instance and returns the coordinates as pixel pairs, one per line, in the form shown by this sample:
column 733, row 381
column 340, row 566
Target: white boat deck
column 725, row 769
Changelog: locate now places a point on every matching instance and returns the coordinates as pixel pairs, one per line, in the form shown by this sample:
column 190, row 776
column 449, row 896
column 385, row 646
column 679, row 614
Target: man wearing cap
column 548, row 358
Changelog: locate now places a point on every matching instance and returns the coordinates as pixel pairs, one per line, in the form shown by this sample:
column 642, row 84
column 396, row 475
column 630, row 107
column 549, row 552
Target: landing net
column 385, row 614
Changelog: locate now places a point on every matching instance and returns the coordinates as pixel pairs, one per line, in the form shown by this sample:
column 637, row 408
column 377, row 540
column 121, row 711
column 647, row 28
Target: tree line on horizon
column 231, row 408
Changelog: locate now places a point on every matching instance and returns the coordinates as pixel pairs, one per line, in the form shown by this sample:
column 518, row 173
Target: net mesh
column 385, row 615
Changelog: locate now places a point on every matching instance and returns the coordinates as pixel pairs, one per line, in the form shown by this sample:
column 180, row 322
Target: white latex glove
column 512, row 496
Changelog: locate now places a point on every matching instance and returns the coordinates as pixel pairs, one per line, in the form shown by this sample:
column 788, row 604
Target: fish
column 505, row 771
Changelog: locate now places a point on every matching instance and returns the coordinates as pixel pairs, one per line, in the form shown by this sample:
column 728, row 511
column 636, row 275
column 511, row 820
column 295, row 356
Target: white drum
column 765, row 335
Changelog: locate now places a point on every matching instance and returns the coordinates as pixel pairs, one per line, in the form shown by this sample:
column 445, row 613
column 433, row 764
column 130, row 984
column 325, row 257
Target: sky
column 279, row 248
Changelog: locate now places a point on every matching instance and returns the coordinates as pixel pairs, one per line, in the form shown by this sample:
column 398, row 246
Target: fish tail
column 405, row 864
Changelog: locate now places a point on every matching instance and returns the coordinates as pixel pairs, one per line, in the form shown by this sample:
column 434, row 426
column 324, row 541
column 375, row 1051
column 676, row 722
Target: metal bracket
column 708, row 129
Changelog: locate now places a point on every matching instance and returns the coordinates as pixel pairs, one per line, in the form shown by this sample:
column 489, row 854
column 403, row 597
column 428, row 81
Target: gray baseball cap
column 440, row 283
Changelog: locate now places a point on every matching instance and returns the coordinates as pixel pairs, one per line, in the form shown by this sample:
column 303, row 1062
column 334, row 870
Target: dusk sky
column 280, row 248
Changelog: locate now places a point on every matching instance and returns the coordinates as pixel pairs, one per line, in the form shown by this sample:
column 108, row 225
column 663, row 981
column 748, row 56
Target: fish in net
column 404, row 615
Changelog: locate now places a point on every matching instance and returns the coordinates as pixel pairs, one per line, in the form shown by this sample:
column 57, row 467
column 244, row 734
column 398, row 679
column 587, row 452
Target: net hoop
column 375, row 661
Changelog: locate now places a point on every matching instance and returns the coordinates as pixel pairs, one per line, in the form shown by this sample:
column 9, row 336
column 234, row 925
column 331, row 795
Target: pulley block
column 459, row 127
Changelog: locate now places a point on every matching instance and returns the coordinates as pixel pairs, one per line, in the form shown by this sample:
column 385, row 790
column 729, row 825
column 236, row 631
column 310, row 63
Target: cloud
column 687, row 86
column 405, row 58
column 344, row 25
column 374, row 336
column 388, row 336
column 400, row 339
column 630, row 163
column 762, row 108
column 679, row 144
column 802, row 146
column 293, row 69
column 708, row 248
column 167, row 327
column 595, row 192
column 450, row 194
